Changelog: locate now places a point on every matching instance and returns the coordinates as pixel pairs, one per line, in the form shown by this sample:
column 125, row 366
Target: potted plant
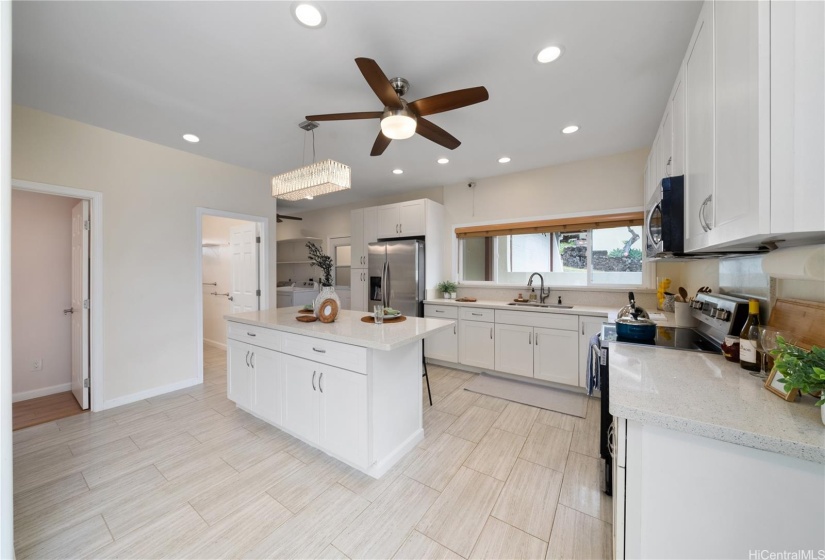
column 801, row 369
column 323, row 261
column 447, row 288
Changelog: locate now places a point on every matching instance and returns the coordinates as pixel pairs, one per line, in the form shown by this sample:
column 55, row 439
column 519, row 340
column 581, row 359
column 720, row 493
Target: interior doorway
column 56, row 305
column 232, row 278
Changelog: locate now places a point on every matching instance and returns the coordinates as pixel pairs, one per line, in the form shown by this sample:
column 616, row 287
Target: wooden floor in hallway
column 44, row 409
column 188, row 475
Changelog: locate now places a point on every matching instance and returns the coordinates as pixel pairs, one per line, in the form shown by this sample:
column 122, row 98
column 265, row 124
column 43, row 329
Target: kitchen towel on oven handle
column 593, row 369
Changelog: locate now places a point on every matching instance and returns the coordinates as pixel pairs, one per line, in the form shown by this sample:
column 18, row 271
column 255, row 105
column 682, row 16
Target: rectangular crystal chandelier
column 317, row 178
column 321, row 177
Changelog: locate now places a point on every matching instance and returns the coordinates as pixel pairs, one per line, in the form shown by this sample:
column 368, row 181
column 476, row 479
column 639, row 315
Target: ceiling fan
column 400, row 119
column 281, row 217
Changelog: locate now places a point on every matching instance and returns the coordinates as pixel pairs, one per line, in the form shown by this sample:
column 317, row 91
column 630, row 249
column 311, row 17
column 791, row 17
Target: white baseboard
column 45, row 391
column 214, row 344
column 148, row 393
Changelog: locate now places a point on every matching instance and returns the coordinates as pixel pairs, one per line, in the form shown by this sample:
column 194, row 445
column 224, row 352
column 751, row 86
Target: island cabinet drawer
column 477, row 314
column 346, row 356
column 259, row 336
column 538, row 319
column 441, row 311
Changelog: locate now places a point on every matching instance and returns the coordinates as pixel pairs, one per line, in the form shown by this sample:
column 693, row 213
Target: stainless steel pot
column 632, row 310
column 633, row 323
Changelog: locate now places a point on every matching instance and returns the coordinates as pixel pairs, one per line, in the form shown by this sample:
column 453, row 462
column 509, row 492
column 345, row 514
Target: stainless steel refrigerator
column 396, row 275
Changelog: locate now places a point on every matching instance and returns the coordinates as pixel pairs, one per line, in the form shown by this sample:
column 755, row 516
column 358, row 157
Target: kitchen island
column 349, row 388
column 709, row 464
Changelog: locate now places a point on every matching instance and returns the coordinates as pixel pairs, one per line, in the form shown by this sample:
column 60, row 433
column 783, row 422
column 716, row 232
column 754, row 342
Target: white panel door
column 80, row 298
column 556, row 356
column 301, row 396
column 514, row 349
column 699, row 135
column 243, row 246
column 476, row 345
column 343, row 414
column 389, row 221
column 239, row 370
column 413, row 218
column 268, row 400
column 588, row 326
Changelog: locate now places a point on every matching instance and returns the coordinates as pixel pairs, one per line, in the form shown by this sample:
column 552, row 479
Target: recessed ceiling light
column 398, row 171
column 191, row 138
column 570, row 129
column 548, row 54
column 504, row 159
column 443, row 160
column 308, row 14
column 309, row 197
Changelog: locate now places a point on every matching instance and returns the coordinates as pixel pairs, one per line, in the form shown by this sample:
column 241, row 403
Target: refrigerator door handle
column 387, row 284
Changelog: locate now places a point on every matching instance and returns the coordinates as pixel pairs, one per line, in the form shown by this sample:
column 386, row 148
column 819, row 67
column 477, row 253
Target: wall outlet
column 37, row 365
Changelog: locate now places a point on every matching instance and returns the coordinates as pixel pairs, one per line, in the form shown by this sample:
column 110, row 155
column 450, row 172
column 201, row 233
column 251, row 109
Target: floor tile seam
column 523, row 530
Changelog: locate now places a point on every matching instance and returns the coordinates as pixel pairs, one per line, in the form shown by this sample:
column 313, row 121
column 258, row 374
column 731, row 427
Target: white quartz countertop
column 705, row 395
column 347, row 327
column 609, row 313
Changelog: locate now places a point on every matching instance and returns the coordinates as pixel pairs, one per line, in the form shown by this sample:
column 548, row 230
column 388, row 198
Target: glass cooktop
column 677, row 338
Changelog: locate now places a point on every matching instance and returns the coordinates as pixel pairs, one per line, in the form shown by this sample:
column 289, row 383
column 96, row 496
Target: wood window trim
column 553, row 226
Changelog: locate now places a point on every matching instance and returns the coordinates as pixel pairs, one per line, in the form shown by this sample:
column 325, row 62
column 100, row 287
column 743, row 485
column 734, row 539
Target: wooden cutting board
column 805, row 319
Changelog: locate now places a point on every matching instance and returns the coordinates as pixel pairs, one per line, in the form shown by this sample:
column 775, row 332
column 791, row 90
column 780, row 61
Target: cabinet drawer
column 259, row 336
column 538, row 319
column 477, row 314
column 346, row 356
column 441, row 311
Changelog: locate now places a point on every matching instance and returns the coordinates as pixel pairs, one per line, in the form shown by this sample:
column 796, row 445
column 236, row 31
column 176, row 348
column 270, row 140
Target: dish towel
column 593, row 369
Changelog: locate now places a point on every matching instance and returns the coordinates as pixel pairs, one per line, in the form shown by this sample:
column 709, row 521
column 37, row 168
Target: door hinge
column 86, row 383
column 258, row 239
column 87, row 225
column 257, row 292
column 85, row 304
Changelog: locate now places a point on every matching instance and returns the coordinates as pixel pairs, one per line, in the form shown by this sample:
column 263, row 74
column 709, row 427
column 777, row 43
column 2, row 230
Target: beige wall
column 41, row 289
column 150, row 193
column 216, row 268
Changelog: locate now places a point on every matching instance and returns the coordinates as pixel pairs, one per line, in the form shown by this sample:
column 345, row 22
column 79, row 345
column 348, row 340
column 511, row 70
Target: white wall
column 216, row 268
column 150, row 193
column 41, row 289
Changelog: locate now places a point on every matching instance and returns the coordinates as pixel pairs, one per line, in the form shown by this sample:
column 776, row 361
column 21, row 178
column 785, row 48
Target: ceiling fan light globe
column 398, row 127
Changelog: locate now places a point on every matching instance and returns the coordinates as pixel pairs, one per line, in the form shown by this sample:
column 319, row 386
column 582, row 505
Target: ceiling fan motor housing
column 400, row 85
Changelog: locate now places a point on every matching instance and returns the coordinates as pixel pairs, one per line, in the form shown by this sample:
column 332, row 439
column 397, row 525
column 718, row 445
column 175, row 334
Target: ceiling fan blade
column 381, row 143
column 281, row 217
column 436, row 134
column 450, row 100
column 379, row 82
column 345, row 116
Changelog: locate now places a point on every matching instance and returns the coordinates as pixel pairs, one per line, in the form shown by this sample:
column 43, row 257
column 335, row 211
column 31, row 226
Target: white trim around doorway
column 263, row 271
column 95, row 198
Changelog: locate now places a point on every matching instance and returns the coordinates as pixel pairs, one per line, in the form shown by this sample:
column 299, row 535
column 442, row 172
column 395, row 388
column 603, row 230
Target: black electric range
column 716, row 316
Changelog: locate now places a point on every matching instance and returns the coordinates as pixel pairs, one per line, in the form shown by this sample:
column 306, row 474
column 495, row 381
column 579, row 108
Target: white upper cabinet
column 389, row 221
column 405, row 219
column 359, row 245
column 699, row 147
column 677, row 112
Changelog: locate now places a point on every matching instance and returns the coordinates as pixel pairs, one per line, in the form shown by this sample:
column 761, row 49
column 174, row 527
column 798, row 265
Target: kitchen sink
column 542, row 305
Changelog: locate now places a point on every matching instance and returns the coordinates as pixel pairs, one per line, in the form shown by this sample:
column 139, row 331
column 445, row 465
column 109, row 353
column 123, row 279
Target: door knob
column 67, row 311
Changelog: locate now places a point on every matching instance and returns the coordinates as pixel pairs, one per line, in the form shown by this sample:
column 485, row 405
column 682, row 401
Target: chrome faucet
column 542, row 295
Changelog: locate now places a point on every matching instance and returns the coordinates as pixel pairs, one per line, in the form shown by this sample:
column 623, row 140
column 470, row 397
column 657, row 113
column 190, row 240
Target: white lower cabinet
column 343, row 413
column 240, row 383
column 267, row 387
column 556, row 356
column 326, row 406
column 443, row 345
column 476, row 345
column 514, row 349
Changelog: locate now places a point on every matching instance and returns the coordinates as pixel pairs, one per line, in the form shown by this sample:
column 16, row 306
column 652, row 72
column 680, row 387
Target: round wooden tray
column 306, row 318
column 306, row 311
column 370, row 319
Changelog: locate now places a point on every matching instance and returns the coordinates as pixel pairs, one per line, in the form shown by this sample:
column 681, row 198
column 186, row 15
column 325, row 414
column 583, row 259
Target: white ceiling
column 242, row 75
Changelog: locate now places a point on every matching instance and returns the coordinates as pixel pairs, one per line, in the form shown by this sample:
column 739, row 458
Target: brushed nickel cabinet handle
column 251, row 333
column 252, row 359
column 247, row 358
column 319, row 350
column 320, row 379
column 314, row 373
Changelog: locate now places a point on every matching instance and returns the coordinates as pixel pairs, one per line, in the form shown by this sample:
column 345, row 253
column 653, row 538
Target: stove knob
column 715, row 313
column 723, row 315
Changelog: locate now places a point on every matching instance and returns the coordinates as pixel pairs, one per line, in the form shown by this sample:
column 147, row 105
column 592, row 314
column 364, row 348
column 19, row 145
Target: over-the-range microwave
column 665, row 219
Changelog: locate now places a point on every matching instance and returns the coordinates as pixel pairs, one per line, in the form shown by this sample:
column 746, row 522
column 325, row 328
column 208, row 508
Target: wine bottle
column 748, row 343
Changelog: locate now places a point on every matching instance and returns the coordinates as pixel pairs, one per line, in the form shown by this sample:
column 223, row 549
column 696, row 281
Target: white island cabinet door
column 268, row 403
column 301, row 395
column 556, row 356
column 343, row 414
column 239, row 384
column 476, row 344
column 514, row 349
column 443, row 345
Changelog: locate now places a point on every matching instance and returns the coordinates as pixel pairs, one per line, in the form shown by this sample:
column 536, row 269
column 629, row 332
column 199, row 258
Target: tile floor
column 187, row 475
